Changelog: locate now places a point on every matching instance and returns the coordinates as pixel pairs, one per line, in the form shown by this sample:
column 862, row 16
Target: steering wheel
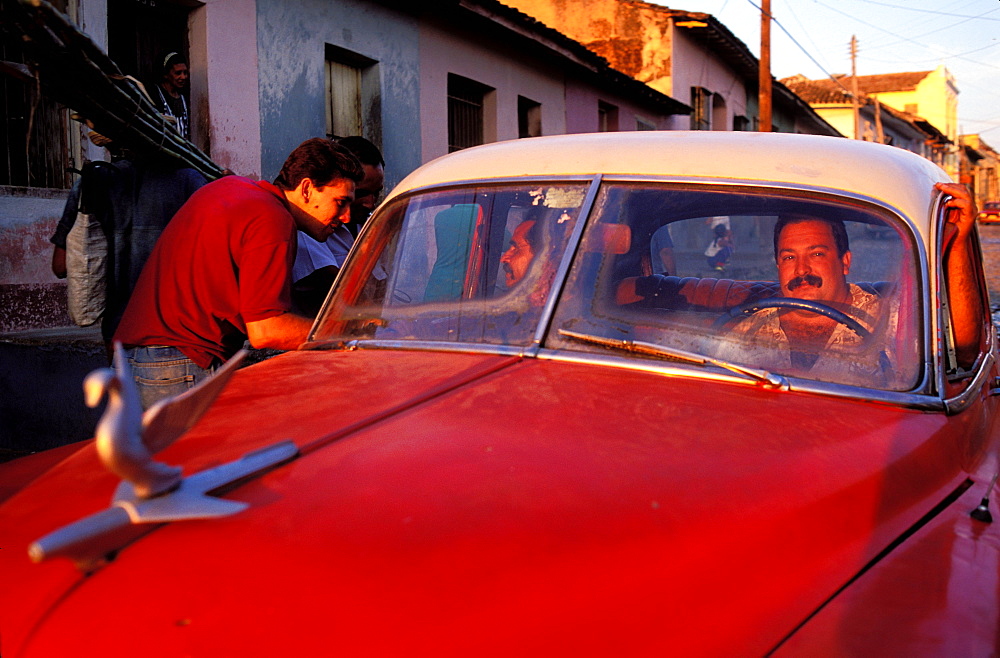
column 749, row 308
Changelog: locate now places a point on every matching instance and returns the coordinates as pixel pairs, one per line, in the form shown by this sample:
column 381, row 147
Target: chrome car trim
column 973, row 391
column 426, row 345
column 907, row 400
column 569, row 257
column 92, row 537
column 487, row 182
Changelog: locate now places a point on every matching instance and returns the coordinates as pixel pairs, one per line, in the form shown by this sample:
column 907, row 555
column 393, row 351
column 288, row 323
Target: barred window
column 35, row 129
column 701, row 107
column 466, row 100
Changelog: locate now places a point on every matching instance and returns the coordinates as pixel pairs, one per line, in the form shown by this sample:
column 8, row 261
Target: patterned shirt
column 845, row 358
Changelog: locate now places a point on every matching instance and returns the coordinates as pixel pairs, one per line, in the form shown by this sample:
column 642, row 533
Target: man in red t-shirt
column 221, row 271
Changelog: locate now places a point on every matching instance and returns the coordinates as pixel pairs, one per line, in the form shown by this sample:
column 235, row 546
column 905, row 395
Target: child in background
column 720, row 250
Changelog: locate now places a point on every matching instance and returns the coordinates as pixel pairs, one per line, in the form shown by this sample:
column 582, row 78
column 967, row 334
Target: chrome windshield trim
column 906, row 400
column 417, row 345
column 915, row 401
column 569, row 256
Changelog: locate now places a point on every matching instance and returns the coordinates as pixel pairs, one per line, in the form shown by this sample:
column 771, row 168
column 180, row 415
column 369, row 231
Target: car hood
column 475, row 503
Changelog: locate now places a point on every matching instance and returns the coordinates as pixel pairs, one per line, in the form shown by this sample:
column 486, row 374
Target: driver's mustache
column 811, row 279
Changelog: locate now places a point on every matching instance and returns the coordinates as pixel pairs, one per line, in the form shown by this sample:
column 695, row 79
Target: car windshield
column 469, row 265
column 660, row 271
column 832, row 298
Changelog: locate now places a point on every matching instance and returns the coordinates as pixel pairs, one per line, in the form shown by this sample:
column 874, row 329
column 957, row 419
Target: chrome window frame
column 922, row 396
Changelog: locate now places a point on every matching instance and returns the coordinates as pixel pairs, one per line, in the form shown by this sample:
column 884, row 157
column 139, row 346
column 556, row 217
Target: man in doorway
column 221, row 271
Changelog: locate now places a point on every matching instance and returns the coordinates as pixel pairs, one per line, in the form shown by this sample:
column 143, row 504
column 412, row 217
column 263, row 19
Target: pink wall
column 492, row 64
column 693, row 66
column 224, row 68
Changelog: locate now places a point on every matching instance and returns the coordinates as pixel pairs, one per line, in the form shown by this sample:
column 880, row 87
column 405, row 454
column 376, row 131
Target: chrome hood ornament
column 151, row 491
column 119, row 434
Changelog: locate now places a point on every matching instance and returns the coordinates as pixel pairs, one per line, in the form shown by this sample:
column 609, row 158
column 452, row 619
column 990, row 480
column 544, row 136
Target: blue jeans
column 162, row 372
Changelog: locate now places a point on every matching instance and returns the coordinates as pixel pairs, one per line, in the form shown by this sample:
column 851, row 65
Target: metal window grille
column 35, row 130
column 465, row 113
column 700, row 119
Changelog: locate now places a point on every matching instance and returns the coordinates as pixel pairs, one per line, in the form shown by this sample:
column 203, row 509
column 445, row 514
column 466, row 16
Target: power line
column 806, row 52
column 902, row 39
column 931, row 11
column 942, row 57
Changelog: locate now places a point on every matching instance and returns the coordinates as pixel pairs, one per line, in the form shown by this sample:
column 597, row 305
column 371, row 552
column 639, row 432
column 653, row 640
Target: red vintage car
column 618, row 394
column 990, row 214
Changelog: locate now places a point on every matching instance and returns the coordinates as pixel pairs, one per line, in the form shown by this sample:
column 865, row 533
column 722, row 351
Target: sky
column 812, row 38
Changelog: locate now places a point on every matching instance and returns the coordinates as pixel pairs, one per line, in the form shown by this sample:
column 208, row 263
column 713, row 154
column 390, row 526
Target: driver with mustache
column 813, row 258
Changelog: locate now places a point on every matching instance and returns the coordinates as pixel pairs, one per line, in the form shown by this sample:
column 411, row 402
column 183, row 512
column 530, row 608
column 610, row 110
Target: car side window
column 469, row 265
column 963, row 301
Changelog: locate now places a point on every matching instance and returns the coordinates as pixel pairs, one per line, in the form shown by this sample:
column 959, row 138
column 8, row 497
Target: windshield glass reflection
column 793, row 286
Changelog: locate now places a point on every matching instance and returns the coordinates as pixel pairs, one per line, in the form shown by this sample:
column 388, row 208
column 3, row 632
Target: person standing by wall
column 133, row 198
column 169, row 92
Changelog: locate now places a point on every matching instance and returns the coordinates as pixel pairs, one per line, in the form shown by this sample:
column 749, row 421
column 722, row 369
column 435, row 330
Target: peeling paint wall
column 635, row 38
column 30, row 295
column 291, row 45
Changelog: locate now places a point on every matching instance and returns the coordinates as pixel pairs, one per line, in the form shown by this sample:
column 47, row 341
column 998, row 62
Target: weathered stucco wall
column 30, row 295
column 291, row 38
column 635, row 38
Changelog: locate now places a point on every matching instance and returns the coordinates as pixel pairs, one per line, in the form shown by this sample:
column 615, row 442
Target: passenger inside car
column 520, row 252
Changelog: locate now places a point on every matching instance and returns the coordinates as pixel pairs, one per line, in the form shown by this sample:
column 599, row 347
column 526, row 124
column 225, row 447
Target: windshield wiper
column 639, row 347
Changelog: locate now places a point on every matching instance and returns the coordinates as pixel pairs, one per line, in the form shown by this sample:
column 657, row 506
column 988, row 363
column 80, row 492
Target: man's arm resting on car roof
column 281, row 332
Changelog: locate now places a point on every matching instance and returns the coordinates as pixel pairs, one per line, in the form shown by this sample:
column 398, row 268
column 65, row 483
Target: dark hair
column 171, row 59
column 836, row 227
column 320, row 160
column 363, row 150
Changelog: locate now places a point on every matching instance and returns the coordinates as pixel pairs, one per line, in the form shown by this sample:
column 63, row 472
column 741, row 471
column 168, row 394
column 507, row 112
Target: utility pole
column 854, row 88
column 878, row 122
column 764, row 81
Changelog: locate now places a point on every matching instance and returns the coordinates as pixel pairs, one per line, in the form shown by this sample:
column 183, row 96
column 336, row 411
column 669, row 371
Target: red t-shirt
column 225, row 259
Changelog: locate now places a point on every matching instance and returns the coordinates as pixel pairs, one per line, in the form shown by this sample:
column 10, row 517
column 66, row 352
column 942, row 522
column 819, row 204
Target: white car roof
column 897, row 178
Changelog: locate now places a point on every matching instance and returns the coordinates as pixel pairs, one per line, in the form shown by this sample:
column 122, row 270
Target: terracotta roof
column 817, row 92
column 838, row 91
column 886, row 82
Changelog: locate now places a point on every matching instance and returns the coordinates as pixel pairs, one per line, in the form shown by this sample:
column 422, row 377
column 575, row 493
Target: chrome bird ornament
column 119, row 433
column 151, row 492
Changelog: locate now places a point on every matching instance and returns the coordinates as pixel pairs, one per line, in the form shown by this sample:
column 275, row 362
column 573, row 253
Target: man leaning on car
column 221, row 271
